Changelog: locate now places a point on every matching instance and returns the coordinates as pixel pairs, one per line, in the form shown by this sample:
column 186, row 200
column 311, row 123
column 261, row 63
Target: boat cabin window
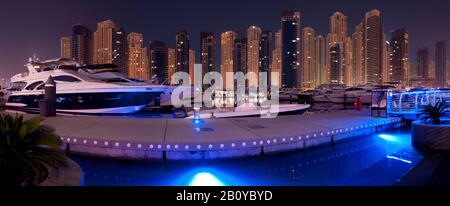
column 66, row 79
column 40, row 87
column 18, row 86
column 33, row 85
column 115, row 80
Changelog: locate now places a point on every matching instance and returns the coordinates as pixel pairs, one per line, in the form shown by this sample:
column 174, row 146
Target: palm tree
column 28, row 151
column 434, row 112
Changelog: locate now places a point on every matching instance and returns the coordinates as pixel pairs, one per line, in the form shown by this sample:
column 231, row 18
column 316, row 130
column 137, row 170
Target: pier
column 183, row 139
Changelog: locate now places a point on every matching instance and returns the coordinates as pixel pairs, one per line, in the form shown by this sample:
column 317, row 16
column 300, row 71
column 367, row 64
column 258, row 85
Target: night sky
column 29, row 27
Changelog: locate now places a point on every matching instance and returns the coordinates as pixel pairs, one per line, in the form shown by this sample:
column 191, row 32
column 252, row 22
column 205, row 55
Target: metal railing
column 412, row 103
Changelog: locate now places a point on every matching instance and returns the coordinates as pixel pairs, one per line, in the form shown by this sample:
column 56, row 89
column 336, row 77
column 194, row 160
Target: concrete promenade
column 183, row 139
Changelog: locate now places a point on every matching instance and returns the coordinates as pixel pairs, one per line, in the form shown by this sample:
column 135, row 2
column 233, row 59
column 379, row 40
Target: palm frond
column 28, row 151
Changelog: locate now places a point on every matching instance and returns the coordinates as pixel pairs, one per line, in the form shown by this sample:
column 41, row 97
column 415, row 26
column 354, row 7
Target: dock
column 184, row 139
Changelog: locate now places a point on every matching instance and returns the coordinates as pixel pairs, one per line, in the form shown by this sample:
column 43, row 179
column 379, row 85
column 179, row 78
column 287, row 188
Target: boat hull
column 87, row 103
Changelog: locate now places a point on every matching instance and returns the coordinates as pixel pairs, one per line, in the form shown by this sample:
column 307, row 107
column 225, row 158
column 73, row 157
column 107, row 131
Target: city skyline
column 319, row 22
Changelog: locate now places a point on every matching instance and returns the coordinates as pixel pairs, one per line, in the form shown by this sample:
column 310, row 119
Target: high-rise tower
column 290, row 54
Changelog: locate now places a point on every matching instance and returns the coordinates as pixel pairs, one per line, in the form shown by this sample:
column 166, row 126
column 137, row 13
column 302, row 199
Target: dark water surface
column 379, row 159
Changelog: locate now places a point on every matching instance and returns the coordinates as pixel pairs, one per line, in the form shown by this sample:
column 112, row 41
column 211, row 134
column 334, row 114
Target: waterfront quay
column 184, row 139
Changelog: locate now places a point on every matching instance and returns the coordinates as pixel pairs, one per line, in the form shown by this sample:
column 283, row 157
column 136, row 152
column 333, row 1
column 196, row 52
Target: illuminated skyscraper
column 339, row 35
column 399, row 56
column 182, row 51
column 385, row 45
column 208, row 51
column 336, row 69
column 253, row 41
column 338, row 27
column 158, row 61
column 276, row 58
column 441, row 64
column 120, row 49
column 240, row 55
column 227, row 50
column 309, row 59
column 423, row 63
column 349, row 78
column 137, row 57
column 66, row 43
column 372, row 47
column 172, row 64
column 191, row 65
column 265, row 53
column 358, row 55
column 320, row 53
column 82, row 44
column 290, row 37
column 110, row 45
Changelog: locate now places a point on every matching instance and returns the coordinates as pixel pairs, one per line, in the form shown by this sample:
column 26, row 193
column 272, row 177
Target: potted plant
column 29, row 151
column 431, row 132
column 434, row 112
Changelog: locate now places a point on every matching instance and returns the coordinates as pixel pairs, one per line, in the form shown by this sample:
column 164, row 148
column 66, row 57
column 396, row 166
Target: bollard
column 47, row 105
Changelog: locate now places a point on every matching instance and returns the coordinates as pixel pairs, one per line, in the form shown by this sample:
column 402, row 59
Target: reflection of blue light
column 399, row 159
column 206, row 176
column 389, row 138
column 205, row 179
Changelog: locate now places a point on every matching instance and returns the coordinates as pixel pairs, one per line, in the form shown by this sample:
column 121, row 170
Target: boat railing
column 413, row 102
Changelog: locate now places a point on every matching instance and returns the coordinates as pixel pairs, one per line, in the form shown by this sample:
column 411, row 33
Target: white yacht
column 250, row 110
column 94, row 89
column 349, row 95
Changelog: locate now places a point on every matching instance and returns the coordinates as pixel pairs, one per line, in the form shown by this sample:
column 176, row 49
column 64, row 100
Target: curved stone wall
column 430, row 137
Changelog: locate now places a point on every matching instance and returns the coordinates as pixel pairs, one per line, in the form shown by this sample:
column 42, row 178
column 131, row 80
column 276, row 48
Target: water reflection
column 372, row 160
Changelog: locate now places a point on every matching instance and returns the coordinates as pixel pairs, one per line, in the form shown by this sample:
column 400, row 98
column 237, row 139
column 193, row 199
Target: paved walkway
column 209, row 130
column 183, row 135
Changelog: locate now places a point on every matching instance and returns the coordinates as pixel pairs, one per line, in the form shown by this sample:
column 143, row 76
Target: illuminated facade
column 290, row 52
column 265, row 53
column 309, row 58
column 357, row 52
column 423, row 63
column 441, row 64
column 191, row 65
column 158, row 61
column 227, row 50
column 171, row 64
column 276, row 58
column 253, row 44
column 320, row 53
column 349, row 78
column 399, row 56
column 82, row 44
column 385, row 74
column 182, row 52
column 110, row 45
column 66, row 51
column 137, row 57
column 240, row 55
column 340, row 42
column 336, row 70
column 372, row 47
column 208, row 52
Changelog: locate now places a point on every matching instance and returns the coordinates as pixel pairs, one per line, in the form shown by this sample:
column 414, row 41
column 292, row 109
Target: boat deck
column 132, row 138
